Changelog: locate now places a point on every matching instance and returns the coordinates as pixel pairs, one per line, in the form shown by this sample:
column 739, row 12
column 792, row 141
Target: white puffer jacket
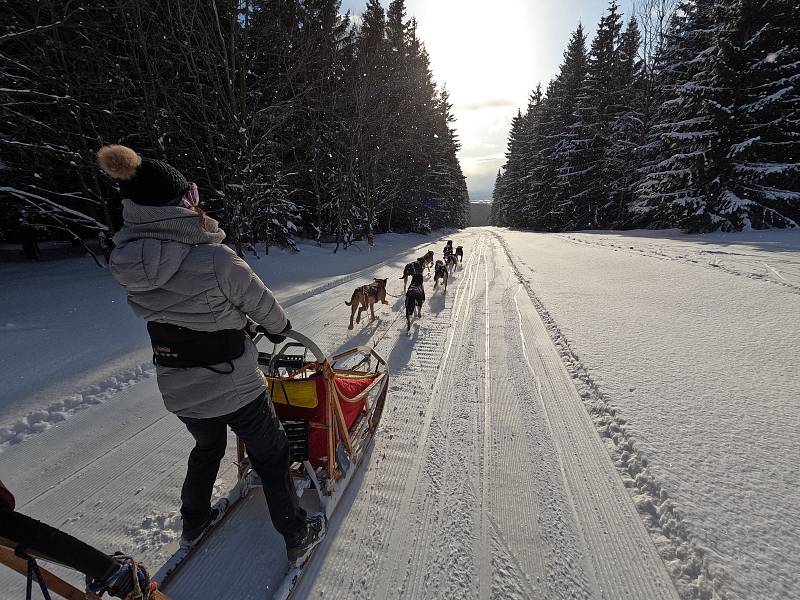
column 175, row 272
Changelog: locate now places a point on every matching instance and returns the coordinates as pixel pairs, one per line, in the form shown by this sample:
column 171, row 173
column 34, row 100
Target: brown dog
column 365, row 297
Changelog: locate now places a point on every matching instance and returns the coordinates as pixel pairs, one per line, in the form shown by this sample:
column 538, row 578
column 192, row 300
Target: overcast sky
column 490, row 55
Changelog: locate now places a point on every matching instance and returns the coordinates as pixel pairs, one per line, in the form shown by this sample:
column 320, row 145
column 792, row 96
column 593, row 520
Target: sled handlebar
column 301, row 341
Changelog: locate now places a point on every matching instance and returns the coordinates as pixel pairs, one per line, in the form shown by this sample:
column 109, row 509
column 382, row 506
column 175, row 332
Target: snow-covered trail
column 487, row 478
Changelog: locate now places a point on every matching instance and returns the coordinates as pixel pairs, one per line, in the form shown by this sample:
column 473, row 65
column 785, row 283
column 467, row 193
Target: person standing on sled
column 199, row 300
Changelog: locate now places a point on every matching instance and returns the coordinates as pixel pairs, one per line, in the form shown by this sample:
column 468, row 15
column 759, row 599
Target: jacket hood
column 146, row 264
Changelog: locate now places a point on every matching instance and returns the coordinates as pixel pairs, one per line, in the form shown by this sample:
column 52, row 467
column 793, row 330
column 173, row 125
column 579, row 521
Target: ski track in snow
column 691, row 570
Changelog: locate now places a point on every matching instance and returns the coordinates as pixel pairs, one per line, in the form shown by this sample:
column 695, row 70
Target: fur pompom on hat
column 145, row 181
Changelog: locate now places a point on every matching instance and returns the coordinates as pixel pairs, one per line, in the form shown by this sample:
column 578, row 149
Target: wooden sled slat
column 54, row 583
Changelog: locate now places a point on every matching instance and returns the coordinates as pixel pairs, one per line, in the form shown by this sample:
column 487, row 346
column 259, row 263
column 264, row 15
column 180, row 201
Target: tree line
column 292, row 118
column 687, row 116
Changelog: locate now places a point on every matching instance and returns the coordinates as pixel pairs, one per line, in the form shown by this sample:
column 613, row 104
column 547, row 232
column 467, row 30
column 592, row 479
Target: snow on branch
column 45, row 205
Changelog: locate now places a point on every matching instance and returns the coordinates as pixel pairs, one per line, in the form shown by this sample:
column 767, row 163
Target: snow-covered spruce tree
column 367, row 124
column 626, row 133
column 445, row 183
column 514, row 171
column 497, row 211
column 757, row 64
column 551, row 206
column 308, row 51
column 674, row 190
column 525, row 157
column 524, row 194
column 584, row 177
column 729, row 130
column 541, row 170
column 522, row 155
column 404, row 148
column 396, row 188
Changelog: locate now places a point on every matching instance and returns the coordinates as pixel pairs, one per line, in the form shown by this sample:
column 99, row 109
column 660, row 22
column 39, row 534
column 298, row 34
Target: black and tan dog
column 440, row 272
column 415, row 296
column 450, row 262
column 448, row 247
column 411, row 269
column 429, row 259
column 460, row 253
column 365, row 297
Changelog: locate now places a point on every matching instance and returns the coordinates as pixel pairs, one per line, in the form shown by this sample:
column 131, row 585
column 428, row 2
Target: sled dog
column 451, row 261
column 415, row 296
column 440, row 272
column 365, row 297
column 411, row 269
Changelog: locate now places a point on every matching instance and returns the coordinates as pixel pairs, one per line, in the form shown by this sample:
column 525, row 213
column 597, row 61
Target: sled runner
column 330, row 408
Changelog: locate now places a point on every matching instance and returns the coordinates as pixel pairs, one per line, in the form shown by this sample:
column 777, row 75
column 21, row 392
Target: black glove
column 277, row 338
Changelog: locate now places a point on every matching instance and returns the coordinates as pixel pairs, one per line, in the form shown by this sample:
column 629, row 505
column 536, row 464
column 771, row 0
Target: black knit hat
column 146, row 181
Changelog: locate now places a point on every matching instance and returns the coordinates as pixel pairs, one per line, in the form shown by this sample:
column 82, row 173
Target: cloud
column 488, row 103
column 490, row 158
column 480, row 172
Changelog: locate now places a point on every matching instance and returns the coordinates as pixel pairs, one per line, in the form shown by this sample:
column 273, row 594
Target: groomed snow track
column 487, row 478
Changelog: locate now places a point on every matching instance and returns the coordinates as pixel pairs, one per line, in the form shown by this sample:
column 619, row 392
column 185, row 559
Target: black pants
column 268, row 449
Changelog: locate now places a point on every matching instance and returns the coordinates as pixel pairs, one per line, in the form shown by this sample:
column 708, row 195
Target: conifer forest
column 682, row 115
column 293, row 119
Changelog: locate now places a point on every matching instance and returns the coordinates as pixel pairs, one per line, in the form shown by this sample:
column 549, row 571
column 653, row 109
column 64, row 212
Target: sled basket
column 329, row 406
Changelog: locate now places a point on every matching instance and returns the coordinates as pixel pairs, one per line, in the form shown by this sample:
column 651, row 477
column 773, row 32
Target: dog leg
column 372, row 311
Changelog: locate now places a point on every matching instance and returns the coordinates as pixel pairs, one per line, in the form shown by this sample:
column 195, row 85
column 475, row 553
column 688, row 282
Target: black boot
column 300, row 549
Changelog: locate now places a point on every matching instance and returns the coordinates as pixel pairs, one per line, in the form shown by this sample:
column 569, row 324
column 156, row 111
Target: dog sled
column 330, row 408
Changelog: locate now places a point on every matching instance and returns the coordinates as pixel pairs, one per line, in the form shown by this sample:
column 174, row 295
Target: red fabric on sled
column 349, row 387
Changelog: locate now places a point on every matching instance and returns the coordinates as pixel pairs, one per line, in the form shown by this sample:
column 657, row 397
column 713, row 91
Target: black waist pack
column 182, row 348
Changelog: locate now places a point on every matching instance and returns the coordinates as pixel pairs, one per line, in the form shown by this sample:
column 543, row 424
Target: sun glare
column 483, row 53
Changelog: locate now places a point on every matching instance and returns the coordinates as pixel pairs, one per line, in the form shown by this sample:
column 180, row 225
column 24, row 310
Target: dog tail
column 348, row 303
